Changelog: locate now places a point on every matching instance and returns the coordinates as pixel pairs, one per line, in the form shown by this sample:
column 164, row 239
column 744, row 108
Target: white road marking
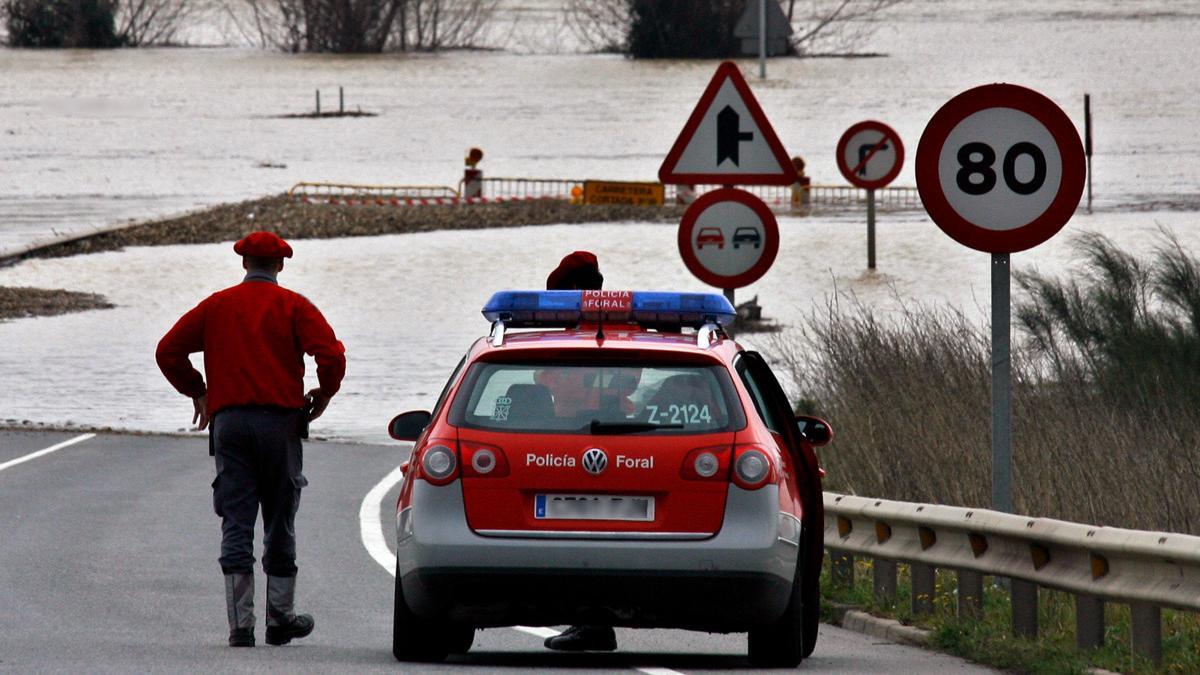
column 371, row 530
column 34, row 455
column 371, row 526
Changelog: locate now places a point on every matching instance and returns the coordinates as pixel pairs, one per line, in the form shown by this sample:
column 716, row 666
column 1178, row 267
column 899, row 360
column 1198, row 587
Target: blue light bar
column 566, row 309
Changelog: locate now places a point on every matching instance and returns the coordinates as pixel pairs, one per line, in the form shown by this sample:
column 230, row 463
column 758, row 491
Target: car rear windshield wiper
column 598, row 427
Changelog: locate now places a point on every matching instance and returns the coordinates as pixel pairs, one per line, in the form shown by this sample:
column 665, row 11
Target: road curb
column 853, row 619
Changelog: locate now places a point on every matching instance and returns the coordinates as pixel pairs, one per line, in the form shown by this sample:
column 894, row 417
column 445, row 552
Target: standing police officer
column 580, row 271
column 254, row 337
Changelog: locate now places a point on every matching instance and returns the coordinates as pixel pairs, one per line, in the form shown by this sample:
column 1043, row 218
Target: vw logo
column 595, row 461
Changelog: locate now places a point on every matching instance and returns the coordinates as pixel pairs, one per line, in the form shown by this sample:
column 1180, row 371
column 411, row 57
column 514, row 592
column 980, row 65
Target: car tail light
column 483, row 461
column 752, row 468
column 706, row 464
column 439, row 464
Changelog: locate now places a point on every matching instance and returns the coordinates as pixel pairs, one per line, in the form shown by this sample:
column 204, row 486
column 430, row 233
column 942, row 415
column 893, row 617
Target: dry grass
column 1106, row 414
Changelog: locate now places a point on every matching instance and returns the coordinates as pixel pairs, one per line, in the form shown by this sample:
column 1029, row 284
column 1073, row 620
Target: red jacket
column 254, row 337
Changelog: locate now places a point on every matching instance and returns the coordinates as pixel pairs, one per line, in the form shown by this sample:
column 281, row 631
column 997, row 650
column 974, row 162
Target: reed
column 1106, row 396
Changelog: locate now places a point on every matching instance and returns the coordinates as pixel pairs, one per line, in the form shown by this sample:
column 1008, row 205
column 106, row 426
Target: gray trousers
column 259, row 460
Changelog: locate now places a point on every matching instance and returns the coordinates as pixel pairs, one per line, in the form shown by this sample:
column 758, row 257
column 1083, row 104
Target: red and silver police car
column 625, row 464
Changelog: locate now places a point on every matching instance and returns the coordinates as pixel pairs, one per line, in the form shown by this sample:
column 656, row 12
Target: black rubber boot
column 584, row 639
column 239, row 603
column 283, row 624
column 241, row 637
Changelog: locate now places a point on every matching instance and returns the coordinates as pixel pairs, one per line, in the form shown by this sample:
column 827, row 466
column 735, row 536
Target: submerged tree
column 355, row 26
column 60, row 23
column 703, row 28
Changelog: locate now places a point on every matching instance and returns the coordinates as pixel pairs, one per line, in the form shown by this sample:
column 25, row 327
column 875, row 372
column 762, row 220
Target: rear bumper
column 738, row 578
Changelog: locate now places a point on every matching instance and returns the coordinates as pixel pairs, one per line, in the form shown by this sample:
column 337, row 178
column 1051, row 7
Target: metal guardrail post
column 1024, row 608
column 923, row 588
column 970, row 594
column 1147, row 630
column 1089, row 622
column 884, row 581
column 841, row 569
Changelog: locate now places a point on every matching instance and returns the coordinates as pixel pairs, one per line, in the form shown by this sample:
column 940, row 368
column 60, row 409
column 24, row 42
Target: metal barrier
column 523, row 189
column 346, row 193
column 1148, row 570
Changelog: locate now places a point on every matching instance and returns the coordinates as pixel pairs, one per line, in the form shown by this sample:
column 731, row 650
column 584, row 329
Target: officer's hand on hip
column 317, row 402
column 200, row 412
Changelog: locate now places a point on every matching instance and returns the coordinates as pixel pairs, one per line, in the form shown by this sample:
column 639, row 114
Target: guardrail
column 1148, row 570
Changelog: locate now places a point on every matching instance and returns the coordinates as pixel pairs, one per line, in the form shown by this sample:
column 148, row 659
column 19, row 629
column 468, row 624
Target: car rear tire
column 810, row 596
column 781, row 643
column 415, row 639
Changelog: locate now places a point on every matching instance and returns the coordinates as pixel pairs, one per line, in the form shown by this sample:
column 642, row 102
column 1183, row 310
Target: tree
column 360, row 25
column 143, row 23
column 60, row 23
column 703, row 28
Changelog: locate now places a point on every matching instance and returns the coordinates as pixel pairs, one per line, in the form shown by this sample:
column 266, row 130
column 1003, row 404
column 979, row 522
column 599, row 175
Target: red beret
column 570, row 263
column 263, row 245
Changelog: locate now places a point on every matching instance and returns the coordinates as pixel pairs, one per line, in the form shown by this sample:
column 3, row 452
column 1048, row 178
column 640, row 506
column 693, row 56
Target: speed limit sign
column 1000, row 168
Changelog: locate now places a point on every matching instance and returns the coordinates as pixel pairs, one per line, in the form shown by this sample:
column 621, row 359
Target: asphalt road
column 108, row 563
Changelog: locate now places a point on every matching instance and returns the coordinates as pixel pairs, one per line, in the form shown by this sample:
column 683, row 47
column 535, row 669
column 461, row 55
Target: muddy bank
column 293, row 220
column 19, row 303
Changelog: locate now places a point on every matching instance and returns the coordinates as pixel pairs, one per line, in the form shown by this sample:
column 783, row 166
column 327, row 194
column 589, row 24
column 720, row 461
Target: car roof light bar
column 568, row 309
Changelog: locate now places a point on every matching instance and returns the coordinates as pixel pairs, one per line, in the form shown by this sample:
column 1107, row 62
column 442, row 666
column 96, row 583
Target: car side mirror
column 815, row 430
column 408, row 426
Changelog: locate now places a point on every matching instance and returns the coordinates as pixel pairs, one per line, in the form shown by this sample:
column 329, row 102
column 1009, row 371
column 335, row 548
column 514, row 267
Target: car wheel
column 414, row 639
column 810, row 596
column 780, row 644
column 460, row 639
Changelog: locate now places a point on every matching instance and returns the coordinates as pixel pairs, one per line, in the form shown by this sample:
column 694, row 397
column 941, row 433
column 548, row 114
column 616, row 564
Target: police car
column 624, row 464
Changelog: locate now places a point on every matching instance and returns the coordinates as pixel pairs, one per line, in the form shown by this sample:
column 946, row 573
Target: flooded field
column 407, row 309
column 88, row 139
column 91, row 139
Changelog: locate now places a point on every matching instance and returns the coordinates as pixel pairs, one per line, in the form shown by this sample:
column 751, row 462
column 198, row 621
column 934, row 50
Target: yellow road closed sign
column 622, row 192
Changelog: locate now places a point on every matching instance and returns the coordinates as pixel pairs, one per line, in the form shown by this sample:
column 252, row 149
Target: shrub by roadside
column 1106, row 421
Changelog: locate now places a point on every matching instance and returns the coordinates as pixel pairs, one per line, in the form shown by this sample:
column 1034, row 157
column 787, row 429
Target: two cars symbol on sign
column 728, row 238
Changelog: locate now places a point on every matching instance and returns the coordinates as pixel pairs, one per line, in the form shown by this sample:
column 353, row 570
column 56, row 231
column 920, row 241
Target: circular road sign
column 728, row 238
column 1000, row 168
column 870, row 154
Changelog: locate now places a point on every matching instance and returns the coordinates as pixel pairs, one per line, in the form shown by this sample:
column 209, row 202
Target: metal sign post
column 870, row 155
column 762, row 39
column 1002, row 499
column 1000, row 169
column 871, row 229
column 1087, row 143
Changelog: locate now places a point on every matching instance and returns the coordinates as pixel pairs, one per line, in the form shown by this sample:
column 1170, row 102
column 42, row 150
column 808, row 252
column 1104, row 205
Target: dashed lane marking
column 371, row 529
column 40, row 453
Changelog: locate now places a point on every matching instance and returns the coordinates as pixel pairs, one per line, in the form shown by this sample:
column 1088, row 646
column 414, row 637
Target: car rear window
column 601, row 398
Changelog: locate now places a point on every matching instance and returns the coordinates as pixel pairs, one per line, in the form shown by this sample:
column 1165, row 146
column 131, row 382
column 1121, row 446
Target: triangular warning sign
column 728, row 140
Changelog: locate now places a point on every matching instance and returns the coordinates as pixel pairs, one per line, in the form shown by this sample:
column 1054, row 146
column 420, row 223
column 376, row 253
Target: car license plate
column 593, row 507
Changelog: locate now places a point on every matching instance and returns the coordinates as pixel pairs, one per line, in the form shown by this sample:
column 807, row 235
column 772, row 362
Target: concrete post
column 923, row 588
column 1089, row 622
column 970, row 594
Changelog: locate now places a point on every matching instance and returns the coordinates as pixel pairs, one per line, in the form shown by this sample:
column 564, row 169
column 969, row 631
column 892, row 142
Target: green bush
column 61, row 23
